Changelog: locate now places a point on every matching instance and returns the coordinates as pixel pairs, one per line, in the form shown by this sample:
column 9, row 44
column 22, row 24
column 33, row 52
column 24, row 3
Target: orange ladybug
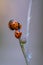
column 14, row 25
column 17, row 34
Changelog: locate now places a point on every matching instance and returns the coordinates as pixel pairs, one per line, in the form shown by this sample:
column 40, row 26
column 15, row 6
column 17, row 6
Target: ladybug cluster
column 14, row 25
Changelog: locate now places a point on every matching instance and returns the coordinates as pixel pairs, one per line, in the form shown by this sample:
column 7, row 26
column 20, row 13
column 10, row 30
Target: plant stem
column 23, row 50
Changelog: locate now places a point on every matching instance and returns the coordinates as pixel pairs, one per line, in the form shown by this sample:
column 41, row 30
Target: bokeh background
column 10, row 51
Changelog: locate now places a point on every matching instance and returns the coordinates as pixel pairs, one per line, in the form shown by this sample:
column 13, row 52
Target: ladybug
column 14, row 25
column 17, row 34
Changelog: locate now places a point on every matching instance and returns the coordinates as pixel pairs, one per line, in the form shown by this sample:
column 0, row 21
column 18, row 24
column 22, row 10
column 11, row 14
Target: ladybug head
column 18, row 34
column 10, row 24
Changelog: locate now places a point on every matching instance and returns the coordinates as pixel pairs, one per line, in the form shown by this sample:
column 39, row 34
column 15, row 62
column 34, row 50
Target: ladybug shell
column 18, row 34
column 17, row 25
